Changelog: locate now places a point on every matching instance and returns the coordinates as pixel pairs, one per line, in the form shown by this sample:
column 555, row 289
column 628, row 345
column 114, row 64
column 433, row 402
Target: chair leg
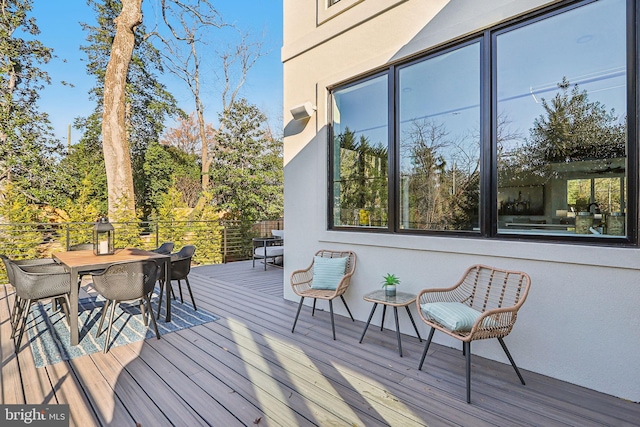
column 160, row 297
column 18, row 317
column 153, row 320
column 106, row 341
column 467, row 349
column 65, row 303
column 313, row 311
column 347, row 307
column 426, row 348
column 25, row 316
column 333, row 326
column 504, row 347
column 143, row 312
column 180, row 288
column 105, row 307
column 193, row 301
column 297, row 314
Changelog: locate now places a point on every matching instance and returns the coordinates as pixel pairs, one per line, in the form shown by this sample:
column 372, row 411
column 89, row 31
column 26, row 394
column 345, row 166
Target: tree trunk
column 115, row 145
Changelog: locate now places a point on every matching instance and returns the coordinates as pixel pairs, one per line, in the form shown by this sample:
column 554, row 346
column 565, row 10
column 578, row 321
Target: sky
column 59, row 23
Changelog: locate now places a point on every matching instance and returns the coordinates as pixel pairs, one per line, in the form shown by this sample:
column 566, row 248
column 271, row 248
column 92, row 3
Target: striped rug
column 49, row 333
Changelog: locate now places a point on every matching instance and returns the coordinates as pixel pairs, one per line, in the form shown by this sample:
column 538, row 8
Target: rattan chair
column 127, row 281
column 485, row 305
column 302, row 280
column 33, row 283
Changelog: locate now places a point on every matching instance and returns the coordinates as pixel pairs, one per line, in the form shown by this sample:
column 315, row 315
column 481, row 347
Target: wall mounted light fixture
column 303, row 111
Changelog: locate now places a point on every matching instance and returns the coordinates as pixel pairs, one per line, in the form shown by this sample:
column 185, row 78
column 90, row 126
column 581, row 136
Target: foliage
column 574, row 129
column 27, row 147
column 166, row 168
column 247, row 170
column 363, row 178
column 390, row 280
column 185, row 136
column 182, row 225
column 17, row 210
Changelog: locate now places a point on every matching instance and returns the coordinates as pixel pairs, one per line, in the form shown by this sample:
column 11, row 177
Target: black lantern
column 103, row 236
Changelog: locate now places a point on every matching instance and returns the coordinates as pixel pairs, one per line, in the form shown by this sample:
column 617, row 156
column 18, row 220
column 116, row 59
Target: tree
column 247, row 165
column 186, row 135
column 574, row 129
column 166, row 168
column 147, row 103
column 27, row 147
column 188, row 25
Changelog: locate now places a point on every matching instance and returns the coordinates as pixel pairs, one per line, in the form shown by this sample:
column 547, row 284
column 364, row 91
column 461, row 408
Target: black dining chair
column 11, row 278
column 124, row 282
column 34, row 283
column 164, row 249
column 180, row 268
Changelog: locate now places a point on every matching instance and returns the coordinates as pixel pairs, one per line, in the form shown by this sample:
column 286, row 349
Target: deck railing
column 216, row 241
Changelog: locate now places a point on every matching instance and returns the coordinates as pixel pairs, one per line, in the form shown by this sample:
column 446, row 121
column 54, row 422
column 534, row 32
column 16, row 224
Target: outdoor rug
column 49, row 333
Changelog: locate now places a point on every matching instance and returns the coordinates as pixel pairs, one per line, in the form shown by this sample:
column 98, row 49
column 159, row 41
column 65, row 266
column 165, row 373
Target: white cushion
column 272, row 251
column 278, row 233
column 454, row 316
column 327, row 272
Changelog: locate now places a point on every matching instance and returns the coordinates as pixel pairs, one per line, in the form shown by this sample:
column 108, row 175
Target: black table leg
column 368, row 321
column 412, row 322
column 395, row 314
column 384, row 312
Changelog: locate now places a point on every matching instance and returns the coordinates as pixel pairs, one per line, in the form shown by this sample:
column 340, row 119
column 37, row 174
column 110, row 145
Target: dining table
column 85, row 261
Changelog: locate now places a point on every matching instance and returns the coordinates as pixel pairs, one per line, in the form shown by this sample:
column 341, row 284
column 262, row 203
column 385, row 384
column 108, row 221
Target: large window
column 561, row 131
column 521, row 131
column 438, row 130
column 360, row 154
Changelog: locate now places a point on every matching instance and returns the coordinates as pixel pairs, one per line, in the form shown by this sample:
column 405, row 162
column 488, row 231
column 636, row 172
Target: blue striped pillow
column 454, row 316
column 327, row 272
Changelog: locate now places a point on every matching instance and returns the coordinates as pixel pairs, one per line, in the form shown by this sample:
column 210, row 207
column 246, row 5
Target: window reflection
column 561, row 134
column 360, row 150
column 439, row 141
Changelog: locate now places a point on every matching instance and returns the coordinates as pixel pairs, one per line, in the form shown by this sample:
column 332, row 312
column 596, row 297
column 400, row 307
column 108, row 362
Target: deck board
column 249, row 369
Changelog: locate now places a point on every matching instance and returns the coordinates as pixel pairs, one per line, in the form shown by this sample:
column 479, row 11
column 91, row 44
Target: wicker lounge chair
column 483, row 304
column 302, row 282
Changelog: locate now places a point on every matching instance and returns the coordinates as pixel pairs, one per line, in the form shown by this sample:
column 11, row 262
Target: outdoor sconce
column 103, row 236
column 302, row 111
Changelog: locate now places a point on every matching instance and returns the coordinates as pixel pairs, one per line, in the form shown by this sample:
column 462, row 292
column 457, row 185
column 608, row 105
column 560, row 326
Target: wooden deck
column 249, row 369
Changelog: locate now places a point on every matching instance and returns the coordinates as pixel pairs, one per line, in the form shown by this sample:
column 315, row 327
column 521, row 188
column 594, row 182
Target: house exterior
column 448, row 133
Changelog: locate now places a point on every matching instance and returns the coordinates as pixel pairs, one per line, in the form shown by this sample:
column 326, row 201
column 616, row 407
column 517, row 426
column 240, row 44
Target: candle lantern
column 103, row 236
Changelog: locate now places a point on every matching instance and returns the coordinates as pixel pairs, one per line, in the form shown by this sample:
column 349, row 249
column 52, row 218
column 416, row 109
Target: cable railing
column 217, row 241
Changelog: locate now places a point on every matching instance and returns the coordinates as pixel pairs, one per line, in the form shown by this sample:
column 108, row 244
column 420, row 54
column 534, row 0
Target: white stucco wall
column 581, row 320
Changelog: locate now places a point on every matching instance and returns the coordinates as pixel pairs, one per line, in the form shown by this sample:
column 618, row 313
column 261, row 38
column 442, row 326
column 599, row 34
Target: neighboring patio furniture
column 164, row 249
column 127, row 281
column 328, row 277
column 34, row 283
column 483, row 304
column 269, row 248
column 180, row 268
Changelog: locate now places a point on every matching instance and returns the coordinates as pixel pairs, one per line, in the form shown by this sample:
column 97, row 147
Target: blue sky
column 59, row 23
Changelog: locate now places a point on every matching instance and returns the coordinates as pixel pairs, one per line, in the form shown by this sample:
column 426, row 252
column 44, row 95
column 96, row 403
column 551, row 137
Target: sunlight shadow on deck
column 266, row 387
column 290, row 357
column 386, row 404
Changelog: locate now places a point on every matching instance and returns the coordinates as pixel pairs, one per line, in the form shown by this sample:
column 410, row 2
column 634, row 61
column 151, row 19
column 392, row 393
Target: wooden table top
column 88, row 258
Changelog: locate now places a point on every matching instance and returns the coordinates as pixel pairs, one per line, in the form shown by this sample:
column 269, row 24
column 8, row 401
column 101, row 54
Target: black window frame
column 488, row 211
